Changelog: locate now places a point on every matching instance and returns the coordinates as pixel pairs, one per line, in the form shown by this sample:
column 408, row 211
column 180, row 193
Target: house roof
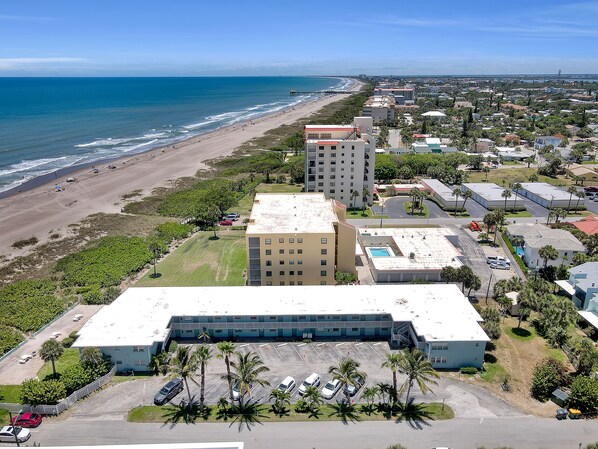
column 588, row 225
column 539, row 235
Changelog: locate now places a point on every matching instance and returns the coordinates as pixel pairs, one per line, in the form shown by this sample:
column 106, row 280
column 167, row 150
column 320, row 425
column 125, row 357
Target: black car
column 168, row 391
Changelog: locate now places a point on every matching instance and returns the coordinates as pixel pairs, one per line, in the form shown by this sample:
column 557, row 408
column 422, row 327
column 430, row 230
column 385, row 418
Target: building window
column 292, row 262
column 292, row 283
column 333, row 147
column 281, row 251
column 300, row 273
column 299, row 282
column 268, row 241
column 268, row 274
column 299, row 251
column 333, row 154
column 268, row 252
column 281, row 283
column 323, row 251
column 323, row 273
column 281, row 273
column 281, row 262
column 300, row 240
column 322, row 282
column 440, row 347
column 139, row 363
column 268, row 263
column 268, row 283
column 299, row 262
column 323, row 240
column 138, row 349
column 323, row 262
column 291, row 251
column 291, row 273
column 291, row 240
column 280, row 240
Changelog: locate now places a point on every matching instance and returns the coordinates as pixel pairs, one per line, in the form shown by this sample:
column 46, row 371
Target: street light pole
column 382, row 213
column 488, row 290
column 14, row 426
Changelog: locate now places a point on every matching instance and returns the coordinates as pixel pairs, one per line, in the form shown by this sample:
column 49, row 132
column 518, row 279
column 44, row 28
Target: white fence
column 69, row 400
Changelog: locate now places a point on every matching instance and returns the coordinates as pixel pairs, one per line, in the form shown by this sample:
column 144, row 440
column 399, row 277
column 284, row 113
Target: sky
column 283, row 37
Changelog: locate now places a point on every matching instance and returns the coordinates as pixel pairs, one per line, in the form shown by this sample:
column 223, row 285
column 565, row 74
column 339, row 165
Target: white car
column 237, row 391
column 287, row 385
column 331, row 388
column 7, row 434
column 313, row 380
column 501, row 265
column 56, row 335
column 77, row 317
column 25, row 358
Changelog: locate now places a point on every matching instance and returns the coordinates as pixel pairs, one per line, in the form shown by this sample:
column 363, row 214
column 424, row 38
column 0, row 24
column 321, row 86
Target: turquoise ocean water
column 47, row 124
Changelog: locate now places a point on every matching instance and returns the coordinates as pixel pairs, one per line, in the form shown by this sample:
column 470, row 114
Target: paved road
column 465, row 433
column 394, row 208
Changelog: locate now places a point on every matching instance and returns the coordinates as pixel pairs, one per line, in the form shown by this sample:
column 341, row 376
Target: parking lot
column 294, row 359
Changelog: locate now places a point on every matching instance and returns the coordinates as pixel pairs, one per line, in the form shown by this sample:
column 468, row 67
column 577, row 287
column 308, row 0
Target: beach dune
column 38, row 211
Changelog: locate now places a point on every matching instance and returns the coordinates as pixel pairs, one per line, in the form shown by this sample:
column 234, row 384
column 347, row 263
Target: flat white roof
column 445, row 192
column 430, row 247
column 140, row 316
column 290, row 213
column 547, row 191
column 590, row 317
column 489, row 191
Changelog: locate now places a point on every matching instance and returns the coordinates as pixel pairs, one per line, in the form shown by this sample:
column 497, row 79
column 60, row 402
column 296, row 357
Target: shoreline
column 37, row 208
column 54, row 176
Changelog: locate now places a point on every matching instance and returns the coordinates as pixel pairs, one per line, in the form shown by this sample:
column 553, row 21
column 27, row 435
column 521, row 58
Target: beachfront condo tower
column 298, row 239
column 339, row 160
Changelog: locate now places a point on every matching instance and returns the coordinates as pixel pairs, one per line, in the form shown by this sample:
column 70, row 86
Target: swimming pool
column 380, row 252
column 519, row 250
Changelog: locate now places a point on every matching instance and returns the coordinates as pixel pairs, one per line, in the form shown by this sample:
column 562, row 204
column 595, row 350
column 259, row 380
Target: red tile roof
column 588, row 225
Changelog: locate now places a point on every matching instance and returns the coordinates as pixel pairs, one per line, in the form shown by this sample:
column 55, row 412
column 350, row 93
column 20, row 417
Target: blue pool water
column 519, row 251
column 379, row 252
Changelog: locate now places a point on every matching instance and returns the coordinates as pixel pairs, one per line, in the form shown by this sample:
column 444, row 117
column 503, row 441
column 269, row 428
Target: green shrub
column 29, row 305
column 74, row 335
column 67, row 342
column 93, row 296
column 468, row 370
column 38, row 392
column 548, row 376
column 9, row 338
column 110, row 294
column 584, row 394
column 173, row 230
column 75, row 377
column 106, row 263
column 172, row 346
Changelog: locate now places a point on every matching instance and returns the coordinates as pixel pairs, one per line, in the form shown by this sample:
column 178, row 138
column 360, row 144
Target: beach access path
column 38, row 211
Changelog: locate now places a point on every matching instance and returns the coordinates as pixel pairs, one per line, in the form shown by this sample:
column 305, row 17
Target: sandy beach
column 38, row 211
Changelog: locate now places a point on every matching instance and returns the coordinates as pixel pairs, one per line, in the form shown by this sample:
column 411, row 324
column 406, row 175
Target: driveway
column 475, row 210
column 534, row 208
column 13, row 373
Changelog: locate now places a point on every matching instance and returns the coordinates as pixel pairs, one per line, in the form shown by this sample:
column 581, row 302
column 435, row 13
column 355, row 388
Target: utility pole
column 382, row 213
column 488, row 290
column 14, row 427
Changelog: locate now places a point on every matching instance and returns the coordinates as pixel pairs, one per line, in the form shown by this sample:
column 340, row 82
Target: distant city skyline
column 193, row 38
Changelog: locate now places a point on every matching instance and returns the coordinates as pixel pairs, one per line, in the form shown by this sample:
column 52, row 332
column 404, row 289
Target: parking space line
column 374, row 349
column 340, row 344
column 379, row 343
column 258, row 351
column 320, row 344
column 356, row 351
column 338, row 353
column 242, row 346
column 358, row 344
column 301, row 344
column 276, row 350
column 297, row 351
column 283, row 344
column 314, row 348
column 265, row 344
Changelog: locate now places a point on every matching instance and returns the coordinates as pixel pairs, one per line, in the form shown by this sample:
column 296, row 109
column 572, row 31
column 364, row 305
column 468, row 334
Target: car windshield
column 329, row 386
column 306, row 383
column 34, row 416
column 164, row 390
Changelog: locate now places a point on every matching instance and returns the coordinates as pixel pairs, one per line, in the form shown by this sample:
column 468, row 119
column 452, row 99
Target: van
column 287, row 385
column 313, row 380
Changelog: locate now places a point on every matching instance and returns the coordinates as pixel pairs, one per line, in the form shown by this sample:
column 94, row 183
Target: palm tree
column 354, row 195
column 247, row 369
column 91, row 357
column 346, row 373
column 516, row 187
column 393, row 362
column 183, row 364
column 157, row 363
column 313, row 398
column 154, row 248
column 418, row 370
column 486, row 170
column 506, row 194
column 571, row 190
column 203, row 354
column 384, row 390
column 525, row 300
column 413, row 193
column 456, row 193
column 51, row 350
column 579, row 196
column 547, row 253
column 369, row 396
column 226, row 349
column 466, row 195
column 281, row 400
column 364, row 196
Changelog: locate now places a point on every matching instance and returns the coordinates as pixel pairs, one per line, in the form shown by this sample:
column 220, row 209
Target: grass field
column 159, row 414
column 202, row 260
column 507, row 176
column 407, row 207
column 69, row 358
column 10, row 393
column 518, row 214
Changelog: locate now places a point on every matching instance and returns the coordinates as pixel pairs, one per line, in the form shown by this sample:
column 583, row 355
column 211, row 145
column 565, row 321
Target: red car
column 27, row 420
column 226, row 223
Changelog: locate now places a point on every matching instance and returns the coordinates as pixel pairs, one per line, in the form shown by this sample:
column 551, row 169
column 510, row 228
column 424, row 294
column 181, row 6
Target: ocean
column 47, row 124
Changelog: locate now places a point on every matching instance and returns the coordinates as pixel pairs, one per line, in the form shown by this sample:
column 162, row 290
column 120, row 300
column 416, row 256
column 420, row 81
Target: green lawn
column 407, row 207
column 523, row 333
column 493, row 372
column 69, row 358
column 507, row 176
column 4, row 417
column 10, row 393
column 158, row 414
column 518, row 214
column 359, row 213
column 279, row 188
column 202, row 260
